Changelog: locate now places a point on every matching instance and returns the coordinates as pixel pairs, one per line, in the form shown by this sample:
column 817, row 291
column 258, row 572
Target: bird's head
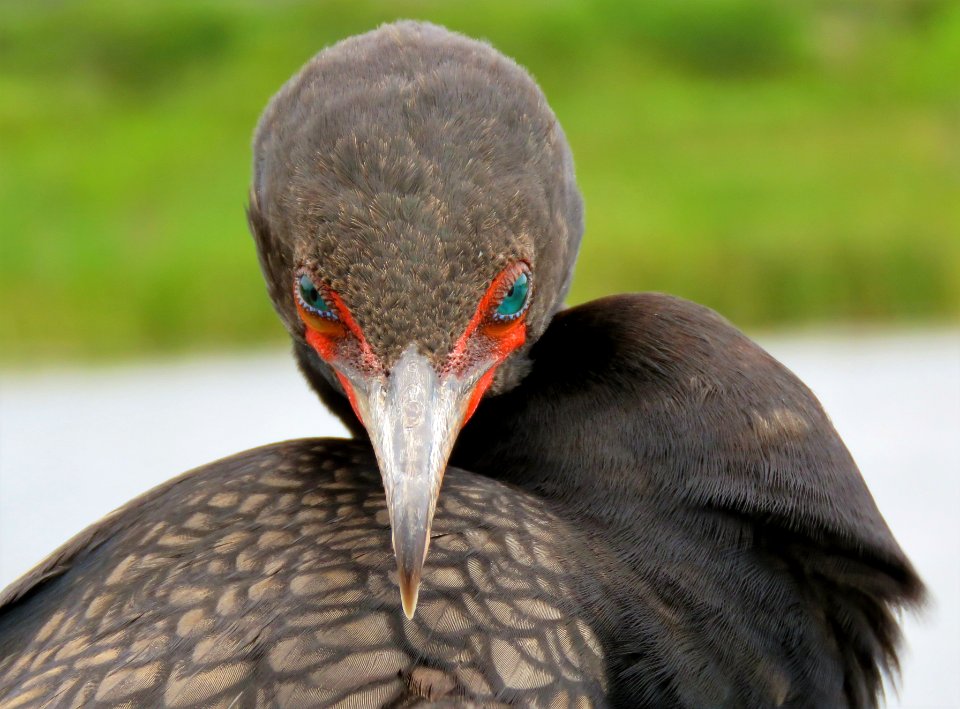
column 417, row 221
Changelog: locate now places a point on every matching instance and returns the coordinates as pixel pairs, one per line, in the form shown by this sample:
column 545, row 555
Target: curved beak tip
column 411, row 553
column 409, row 591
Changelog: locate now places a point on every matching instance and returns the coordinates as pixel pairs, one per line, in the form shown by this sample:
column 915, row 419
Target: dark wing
column 752, row 566
column 267, row 579
column 759, row 453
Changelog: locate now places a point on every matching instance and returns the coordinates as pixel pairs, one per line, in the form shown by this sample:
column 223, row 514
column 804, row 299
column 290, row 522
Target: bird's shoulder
column 723, row 491
column 713, row 417
column 268, row 578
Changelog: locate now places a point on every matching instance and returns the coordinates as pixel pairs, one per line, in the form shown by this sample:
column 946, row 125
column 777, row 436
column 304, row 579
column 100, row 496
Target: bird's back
column 268, row 579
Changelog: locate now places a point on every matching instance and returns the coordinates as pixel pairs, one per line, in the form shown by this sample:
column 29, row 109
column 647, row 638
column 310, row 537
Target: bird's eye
column 514, row 300
column 311, row 298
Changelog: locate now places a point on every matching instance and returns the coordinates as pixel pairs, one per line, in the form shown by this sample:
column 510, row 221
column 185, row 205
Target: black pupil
column 313, row 295
column 510, row 292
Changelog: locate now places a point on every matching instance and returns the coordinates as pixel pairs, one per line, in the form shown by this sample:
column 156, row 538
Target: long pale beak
column 413, row 418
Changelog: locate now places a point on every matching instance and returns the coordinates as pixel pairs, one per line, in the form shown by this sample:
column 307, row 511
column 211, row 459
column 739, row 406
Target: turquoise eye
column 515, row 299
column 312, row 299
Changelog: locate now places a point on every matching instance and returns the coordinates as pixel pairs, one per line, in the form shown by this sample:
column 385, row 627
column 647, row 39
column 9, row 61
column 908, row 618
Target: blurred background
column 794, row 165
column 785, row 163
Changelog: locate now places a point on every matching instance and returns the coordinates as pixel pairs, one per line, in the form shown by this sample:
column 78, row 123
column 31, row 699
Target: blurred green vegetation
column 783, row 162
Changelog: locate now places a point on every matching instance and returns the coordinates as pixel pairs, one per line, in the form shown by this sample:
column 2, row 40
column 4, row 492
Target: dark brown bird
column 643, row 508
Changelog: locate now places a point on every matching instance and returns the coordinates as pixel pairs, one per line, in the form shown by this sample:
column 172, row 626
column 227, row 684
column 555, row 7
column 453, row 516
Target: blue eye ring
column 515, row 300
column 310, row 297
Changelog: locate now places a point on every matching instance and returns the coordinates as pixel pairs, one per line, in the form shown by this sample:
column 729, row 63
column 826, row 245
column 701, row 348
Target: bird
column 626, row 503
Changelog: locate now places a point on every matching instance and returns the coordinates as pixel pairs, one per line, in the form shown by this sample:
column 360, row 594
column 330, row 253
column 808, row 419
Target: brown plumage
column 414, row 163
column 650, row 511
column 265, row 580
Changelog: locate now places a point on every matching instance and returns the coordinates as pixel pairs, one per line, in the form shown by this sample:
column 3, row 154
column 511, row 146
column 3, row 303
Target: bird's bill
column 413, row 418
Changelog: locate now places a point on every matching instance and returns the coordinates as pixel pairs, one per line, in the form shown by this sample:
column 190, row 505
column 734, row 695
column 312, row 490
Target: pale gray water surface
column 76, row 443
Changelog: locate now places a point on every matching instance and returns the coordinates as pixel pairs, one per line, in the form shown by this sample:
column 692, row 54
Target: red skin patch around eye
column 500, row 338
column 504, row 343
column 351, row 395
column 322, row 335
column 503, row 337
column 368, row 359
column 325, row 337
column 485, row 381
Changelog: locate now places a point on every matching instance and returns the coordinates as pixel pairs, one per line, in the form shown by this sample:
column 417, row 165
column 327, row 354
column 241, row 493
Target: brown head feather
column 406, row 168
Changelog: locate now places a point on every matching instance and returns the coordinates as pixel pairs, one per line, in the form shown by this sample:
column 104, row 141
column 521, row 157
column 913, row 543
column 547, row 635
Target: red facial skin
column 502, row 337
column 484, row 332
column 325, row 337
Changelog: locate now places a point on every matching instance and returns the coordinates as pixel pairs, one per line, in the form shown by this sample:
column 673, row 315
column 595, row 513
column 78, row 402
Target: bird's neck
column 565, row 431
column 640, row 397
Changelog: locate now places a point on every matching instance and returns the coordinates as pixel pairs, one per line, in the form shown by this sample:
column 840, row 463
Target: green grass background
column 786, row 163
